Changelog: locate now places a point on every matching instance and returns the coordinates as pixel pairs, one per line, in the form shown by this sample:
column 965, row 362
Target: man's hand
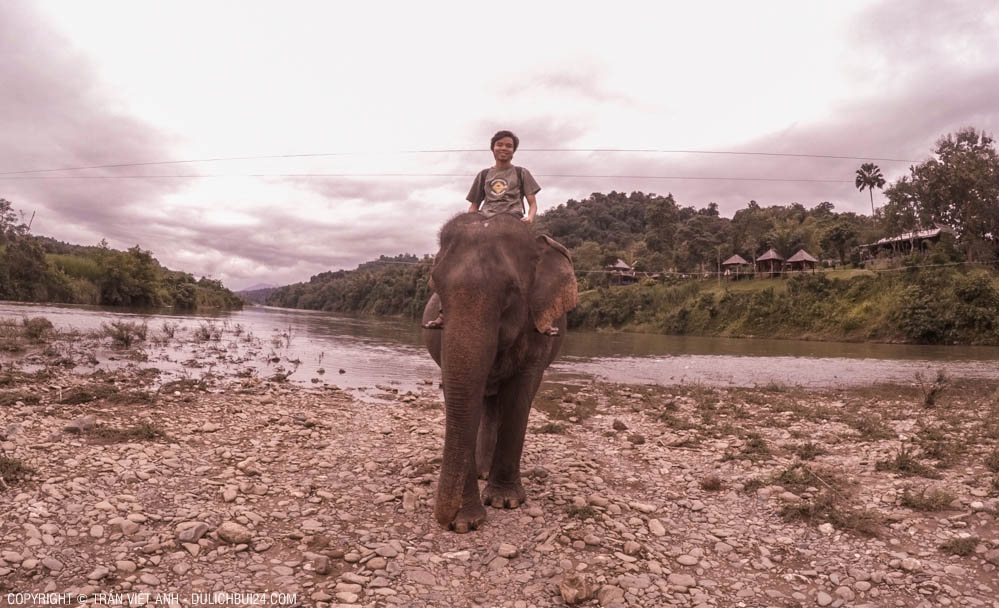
column 527, row 220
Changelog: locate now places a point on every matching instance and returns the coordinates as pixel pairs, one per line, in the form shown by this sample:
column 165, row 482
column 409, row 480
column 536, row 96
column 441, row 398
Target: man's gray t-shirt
column 502, row 191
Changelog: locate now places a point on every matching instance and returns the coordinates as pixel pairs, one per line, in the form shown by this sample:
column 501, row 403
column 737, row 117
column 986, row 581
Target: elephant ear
column 554, row 291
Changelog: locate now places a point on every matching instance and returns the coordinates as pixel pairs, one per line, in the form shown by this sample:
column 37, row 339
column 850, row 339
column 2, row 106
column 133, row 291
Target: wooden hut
column 802, row 261
column 621, row 273
column 735, row 266
column 771, row 263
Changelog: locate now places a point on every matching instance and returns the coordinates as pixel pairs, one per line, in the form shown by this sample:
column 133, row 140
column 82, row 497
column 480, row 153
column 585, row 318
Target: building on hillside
column 771, row 263
column 903, row 244
column 621, row 273
column 735, row 267
column 802, row 261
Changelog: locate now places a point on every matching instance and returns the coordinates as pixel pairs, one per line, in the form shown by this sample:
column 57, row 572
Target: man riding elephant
column 502, row 188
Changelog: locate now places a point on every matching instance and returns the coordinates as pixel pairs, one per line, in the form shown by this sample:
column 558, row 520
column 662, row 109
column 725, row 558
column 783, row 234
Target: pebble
column 687, row 560
column 682, row 580
column 234, row 533
column 656, row 527
column 823, row 598
column 508, row 551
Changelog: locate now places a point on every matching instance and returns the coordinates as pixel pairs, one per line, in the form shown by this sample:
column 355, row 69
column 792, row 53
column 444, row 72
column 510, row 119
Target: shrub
column 36, row 327
column 13, row 470
column 962, row 547
column 125, row 333
column 927, row 499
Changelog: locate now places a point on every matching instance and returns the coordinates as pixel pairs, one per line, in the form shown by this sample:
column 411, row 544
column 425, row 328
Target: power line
column 461, row 151
column 419, row 175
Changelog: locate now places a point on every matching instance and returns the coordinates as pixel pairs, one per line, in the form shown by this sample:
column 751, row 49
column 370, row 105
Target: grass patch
column 552, row 428
column 12, row 470
column 870, row 428
column 992, row 461
column 144, row 431
column 711, row 483
column 753, row 484
column 565, row 402
column 808, row 451
column 832, row 507
column 962, row 547
column 131, row 397
column 755, row 449
column 185, row 385
column 935, row 444
column 799, row 477
column 583, row 513
column 8, row 398
column 87, row 393
column 927, row 499
column 906, row 463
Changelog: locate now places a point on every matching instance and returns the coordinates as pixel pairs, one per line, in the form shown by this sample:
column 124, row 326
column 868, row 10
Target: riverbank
column 129, row 481
column 920, row 306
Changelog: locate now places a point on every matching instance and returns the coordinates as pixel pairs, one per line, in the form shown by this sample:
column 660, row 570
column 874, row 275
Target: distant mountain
column 257, row 287
column 256, row 294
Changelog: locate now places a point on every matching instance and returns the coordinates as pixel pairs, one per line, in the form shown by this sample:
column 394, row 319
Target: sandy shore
column 243, row 490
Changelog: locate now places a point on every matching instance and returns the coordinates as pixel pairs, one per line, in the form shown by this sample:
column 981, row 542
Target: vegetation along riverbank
column 40, row 269
column 227, row 476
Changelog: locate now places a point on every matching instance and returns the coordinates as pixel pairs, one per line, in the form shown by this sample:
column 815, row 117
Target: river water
column 362, row 352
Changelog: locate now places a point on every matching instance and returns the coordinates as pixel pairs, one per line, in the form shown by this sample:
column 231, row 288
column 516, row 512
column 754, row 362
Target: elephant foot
column 468, row 518
column 508, row 496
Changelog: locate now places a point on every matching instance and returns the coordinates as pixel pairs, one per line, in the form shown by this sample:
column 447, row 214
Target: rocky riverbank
column 228, row 490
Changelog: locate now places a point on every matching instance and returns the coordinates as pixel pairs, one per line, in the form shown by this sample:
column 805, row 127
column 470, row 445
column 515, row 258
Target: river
column 359, row 353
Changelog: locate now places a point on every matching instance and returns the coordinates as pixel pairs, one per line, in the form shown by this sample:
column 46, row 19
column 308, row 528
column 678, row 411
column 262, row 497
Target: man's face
column 503, row 149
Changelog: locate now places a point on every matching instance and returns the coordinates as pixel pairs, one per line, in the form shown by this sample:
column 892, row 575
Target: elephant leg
column 505, row 488
column 485, row 444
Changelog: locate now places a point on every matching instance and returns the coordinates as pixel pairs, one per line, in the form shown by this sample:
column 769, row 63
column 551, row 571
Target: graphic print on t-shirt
column 498, row 186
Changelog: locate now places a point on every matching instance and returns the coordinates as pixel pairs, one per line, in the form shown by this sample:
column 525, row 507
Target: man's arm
column 473, row 207
column 532, row 208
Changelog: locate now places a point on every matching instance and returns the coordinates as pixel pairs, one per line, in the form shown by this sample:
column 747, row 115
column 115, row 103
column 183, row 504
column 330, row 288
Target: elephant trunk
column 467, row 352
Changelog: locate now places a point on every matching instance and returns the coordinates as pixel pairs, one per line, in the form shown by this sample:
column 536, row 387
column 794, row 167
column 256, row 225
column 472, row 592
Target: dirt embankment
column 641, row 496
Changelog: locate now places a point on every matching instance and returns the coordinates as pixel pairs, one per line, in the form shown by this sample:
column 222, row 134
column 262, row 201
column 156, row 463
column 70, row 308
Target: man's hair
column 500, row 135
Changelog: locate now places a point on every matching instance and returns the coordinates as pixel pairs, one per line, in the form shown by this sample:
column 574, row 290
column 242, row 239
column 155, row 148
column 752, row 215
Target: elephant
column 501, row 286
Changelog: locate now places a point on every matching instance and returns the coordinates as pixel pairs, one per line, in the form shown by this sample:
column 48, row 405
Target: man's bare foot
column 437, row 323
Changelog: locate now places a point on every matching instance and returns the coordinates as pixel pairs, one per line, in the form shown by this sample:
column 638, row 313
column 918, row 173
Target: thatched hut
column 770, row 262
column 735, row 266
column 802, row 261
column 621, row 273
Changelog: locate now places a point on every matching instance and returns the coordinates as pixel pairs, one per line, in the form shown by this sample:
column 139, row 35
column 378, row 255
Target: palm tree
column 869, row 176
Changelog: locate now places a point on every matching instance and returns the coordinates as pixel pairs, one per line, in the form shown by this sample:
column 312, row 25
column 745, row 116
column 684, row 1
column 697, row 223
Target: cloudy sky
column 377, row 117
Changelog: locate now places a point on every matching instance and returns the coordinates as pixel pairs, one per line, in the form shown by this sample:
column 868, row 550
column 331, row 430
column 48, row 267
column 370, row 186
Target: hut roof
column 801, row 256
column 620, row 265
column 911, row 236
column 735, row 259
column 769, row 255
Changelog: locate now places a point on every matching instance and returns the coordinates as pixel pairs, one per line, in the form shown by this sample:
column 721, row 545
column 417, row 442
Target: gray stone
column 82, row 424
column 682, row 580
column 190, row 532
column 52, row 564
column 656, row 527
column 421, row 577
column 687, row 560
column 98, row 573
column 576, row 588
column 823, row 598
column 234, row 533
column 508, row 551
